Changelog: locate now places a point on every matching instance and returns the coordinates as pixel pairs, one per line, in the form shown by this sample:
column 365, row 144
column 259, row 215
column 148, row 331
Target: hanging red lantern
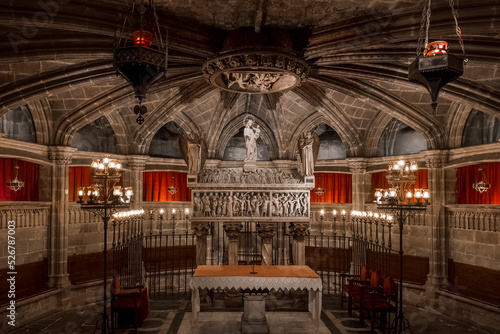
column 436, row 48
column 143, row 38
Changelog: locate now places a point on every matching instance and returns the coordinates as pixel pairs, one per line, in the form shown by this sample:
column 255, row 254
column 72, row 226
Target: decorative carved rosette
column 299, row 231
column 256, row 72
column 233, row 230
column 266, row 232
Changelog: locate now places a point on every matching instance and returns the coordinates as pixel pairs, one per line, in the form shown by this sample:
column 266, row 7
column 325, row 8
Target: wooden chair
column 381, row 301
column 363, row 287
column 353, row 285
column 125, row 301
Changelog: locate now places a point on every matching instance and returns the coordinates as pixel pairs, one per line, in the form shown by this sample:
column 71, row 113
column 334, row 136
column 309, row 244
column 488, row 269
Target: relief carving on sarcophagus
column 271, row 192
column 260, row 176
column 250, row 204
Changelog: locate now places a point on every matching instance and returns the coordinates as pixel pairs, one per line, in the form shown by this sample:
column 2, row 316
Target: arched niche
column 331, row 146
column 400, row 139
column 165, row 143
column 236, row 148
column 18, row 124
column 480, row 129
column 97, row 136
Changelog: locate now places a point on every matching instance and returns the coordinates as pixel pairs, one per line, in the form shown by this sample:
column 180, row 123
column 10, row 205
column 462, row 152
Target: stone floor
column 173, row 315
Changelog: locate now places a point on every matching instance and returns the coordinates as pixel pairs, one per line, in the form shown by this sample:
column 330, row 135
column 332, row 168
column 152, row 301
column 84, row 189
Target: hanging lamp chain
column 425, row 22
column 457, row 27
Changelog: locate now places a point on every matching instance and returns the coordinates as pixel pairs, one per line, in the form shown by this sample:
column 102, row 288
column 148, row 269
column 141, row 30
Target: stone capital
column 137, row 162
column 233, row 230
column 357, row 165
column 266, row 232
column 299, row 231
column 200, row 229
column 435, row 159
column 62, row 155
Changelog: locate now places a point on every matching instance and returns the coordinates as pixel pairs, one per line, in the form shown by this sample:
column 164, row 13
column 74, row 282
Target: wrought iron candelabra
column 402, row 202
column 105, row 198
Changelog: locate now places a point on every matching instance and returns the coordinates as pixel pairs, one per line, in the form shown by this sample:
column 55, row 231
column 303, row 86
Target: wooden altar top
column 262, row 271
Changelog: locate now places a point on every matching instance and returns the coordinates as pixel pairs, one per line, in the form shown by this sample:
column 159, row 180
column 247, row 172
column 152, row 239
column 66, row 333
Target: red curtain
column 78, row 177
column 28, row 173
column 156, row 184
column 338, row 188
column 468, row 175
column 379, row 180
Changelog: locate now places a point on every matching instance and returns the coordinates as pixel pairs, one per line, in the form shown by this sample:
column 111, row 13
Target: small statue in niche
column 194, row 151
column 308, row 146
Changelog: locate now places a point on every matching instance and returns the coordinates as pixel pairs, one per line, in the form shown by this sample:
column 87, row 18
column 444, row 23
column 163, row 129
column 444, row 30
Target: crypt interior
column 257, row 133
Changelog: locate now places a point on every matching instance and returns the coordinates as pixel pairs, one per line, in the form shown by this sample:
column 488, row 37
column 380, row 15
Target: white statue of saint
column 251, row 134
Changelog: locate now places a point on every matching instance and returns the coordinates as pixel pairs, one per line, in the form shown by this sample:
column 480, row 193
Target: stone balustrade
column 474, row 217
column 25, row 214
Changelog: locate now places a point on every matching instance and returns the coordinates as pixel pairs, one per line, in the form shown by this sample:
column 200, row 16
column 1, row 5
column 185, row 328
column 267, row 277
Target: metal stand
column 401, row 212
column 104, row 209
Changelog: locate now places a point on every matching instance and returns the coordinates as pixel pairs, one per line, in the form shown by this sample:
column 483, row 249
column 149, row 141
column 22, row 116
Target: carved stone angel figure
column 193, row 149
column 308, row 146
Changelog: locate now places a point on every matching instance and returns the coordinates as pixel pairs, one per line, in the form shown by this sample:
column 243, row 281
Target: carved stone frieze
column 255, row 73
column 227, row 204
column 260, row 176
column 233, row 230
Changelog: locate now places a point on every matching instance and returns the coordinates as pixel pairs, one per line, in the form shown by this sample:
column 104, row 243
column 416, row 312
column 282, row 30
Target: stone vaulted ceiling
column 56, row 60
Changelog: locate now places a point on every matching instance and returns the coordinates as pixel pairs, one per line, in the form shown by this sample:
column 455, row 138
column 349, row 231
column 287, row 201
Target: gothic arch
column 308, row 124
column 235, row 125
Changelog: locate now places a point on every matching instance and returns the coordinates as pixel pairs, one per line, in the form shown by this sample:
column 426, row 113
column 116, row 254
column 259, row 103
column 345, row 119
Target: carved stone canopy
column 256, row 63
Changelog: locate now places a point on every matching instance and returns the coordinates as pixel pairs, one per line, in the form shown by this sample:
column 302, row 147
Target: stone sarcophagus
column 263, row 195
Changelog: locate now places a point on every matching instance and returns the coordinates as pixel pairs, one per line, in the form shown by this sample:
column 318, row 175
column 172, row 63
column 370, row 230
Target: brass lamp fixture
column 172, row 189
column 319, row 191
column 140, row 54
column 482, row 185
column 15, row 184
column 436, row 66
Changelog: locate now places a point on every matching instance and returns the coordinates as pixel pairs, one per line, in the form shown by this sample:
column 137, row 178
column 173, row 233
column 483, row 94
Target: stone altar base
column 253, row 320
column 232, row 299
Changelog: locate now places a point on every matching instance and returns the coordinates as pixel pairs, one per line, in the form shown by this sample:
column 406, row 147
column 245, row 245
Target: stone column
column 232, row 297
column 134, row 178
column 299, row 231
column 267, row 231
column 438, row 262
column 233, row 234
column 200, row 230
column 60, row 157
column 360, row 183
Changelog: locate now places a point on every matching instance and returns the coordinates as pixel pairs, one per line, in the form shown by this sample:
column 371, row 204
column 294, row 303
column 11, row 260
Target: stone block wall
column 31, row 232
column 479, row 248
